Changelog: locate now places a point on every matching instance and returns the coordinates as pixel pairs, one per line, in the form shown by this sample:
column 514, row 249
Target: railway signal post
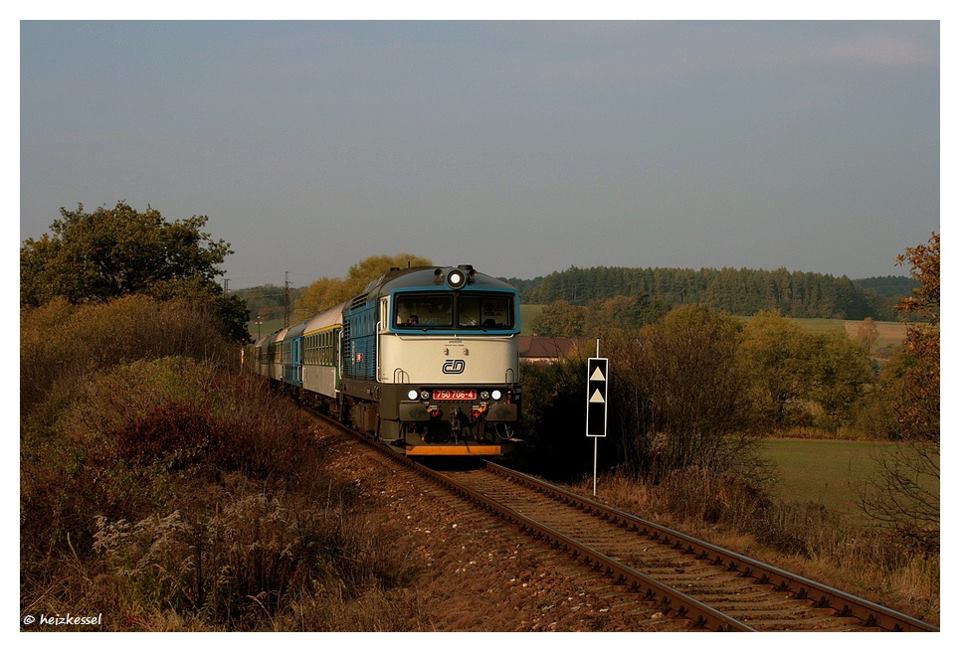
column 597, row 386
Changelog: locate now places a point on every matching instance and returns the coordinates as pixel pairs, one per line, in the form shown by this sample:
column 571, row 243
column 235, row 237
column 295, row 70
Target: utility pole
column 286, row 299
column 226, row 285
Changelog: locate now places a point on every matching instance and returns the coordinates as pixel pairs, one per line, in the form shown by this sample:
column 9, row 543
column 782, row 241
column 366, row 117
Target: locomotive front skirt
column 425, row 358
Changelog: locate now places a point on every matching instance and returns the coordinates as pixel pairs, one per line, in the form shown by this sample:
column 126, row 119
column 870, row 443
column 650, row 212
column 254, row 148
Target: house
column 548, row 349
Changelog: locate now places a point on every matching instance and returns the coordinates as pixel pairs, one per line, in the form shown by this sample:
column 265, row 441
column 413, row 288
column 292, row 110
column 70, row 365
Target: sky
column 519, row 147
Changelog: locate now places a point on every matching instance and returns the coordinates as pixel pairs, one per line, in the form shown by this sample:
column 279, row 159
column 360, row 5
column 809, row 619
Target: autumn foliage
column 327, row 292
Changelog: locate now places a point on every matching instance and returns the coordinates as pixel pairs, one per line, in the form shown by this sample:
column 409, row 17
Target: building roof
column 548, row 347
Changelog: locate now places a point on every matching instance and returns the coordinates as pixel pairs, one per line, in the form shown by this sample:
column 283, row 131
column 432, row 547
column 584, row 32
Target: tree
column 112, row 252
column 559, row 319
column 327, row 292
column 679, row 399
column 621, row 312
column 841, row 369
column 776, row 357
column 792, row 371
column 905, row 494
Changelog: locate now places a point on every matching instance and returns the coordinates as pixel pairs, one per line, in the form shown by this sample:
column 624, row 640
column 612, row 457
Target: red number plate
column 454, row 394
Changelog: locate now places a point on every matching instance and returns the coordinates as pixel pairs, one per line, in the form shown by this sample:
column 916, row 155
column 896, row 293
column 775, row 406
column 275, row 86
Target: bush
column 60, row 342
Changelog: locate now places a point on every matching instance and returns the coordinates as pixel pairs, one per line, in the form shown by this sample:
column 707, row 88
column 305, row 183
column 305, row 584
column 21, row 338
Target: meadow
column 830, row 472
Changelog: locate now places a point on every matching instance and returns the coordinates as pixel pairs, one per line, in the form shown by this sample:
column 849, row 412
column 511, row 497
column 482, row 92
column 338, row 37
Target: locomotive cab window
column 485, row 311
column 424, row 311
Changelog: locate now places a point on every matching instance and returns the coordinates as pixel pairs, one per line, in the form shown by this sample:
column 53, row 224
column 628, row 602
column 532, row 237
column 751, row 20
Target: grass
column 828, row 472
column 823, row 471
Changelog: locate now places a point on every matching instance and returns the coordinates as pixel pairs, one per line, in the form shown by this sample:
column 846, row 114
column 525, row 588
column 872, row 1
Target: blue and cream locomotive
column 425, row 358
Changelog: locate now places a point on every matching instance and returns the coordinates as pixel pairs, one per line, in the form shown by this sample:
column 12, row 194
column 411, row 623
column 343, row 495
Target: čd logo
column 453, row 367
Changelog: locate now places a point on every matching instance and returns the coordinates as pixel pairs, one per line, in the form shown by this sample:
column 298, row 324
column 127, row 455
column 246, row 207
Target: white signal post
column 597, row 385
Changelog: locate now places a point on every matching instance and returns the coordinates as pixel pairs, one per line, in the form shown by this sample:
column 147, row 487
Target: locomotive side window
column 485, row 311
column 424, row 310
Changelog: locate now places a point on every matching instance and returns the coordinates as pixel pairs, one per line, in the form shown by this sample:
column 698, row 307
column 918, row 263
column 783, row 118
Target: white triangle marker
column 597, row 374
column 596, row 398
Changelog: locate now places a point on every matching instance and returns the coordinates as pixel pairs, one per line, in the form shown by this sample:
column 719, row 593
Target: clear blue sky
column 521, row 148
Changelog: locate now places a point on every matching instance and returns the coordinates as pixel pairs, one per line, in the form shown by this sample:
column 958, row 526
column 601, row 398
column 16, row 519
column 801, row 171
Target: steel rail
column 822, row 595
column 672, row 602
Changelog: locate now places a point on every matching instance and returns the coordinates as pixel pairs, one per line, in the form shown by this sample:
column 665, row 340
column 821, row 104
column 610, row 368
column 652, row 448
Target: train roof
column 325, row 319
column 427, row 277
column 294, row 331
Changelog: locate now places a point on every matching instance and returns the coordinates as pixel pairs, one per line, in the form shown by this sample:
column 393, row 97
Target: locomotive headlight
column 456, row 279
column 412, row 395
column 424, row 394
column 484, row 395
column 496, row 394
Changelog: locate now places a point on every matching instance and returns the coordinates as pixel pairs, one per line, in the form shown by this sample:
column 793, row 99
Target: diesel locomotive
column 425, row 358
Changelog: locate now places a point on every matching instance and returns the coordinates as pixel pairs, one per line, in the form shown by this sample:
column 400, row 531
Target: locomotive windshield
column 485, row 311
column 424, row 310
column 442, row 310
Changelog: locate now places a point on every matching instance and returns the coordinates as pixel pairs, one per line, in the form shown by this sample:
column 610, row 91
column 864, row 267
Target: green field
column 824, row 471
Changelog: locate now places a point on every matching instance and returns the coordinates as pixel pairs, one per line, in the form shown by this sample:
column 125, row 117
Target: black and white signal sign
column 597, row 397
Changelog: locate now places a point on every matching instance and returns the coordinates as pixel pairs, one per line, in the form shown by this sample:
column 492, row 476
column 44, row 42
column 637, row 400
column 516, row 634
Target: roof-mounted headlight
column 456, row 279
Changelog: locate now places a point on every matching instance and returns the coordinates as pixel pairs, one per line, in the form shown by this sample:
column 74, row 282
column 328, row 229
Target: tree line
column 736, row 291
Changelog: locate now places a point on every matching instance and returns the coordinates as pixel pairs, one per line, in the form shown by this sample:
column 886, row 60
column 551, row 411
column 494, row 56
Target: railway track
column 715, row 588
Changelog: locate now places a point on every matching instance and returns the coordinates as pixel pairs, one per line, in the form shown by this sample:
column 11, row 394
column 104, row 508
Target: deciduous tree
column 327, row 292
column 112, row 252
column 559, row 319
column 905, row 495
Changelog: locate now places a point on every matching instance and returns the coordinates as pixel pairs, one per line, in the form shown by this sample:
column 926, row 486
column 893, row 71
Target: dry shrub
column 111, row 452
column 249, row 564
column 182, row 411
column 698, row 494
column 60, row 342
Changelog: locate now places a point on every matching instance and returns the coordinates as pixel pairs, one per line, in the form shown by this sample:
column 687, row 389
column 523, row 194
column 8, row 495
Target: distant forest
column 737, row 291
